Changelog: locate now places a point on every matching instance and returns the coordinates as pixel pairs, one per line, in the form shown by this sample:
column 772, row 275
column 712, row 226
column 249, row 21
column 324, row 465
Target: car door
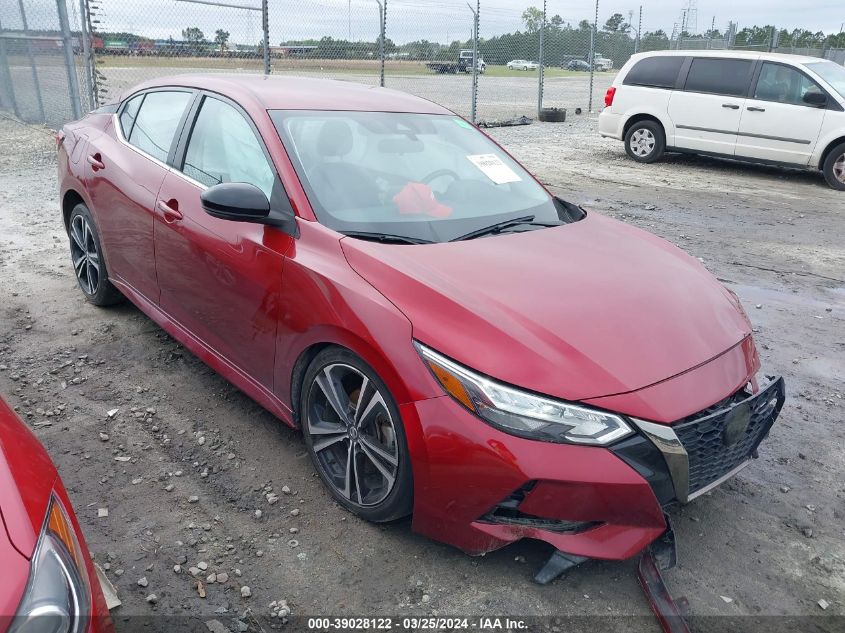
column 777, row 124
column 219, row 279
column 707, row 111
column 125, row 170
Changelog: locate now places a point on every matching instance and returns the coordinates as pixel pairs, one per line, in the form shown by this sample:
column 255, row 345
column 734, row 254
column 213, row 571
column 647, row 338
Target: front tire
column 355, row 436
column 645, row 141
column 834, row 167
column 86, row 254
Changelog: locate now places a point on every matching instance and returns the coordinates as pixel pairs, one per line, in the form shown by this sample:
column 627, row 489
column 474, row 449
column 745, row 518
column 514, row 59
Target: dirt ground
column 186, row 461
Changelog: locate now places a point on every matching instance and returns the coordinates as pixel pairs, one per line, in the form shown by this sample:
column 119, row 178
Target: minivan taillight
column 608, row 96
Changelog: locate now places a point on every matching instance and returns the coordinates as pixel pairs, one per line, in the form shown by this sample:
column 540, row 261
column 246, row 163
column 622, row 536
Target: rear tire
column 87, row 259
column 834, row 167
column 355, row 436
column 645, row 141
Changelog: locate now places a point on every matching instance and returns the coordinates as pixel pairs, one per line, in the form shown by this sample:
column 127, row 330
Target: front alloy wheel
column 355, row 437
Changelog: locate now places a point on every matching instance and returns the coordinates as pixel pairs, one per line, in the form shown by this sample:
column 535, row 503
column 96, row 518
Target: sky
column 435, row 20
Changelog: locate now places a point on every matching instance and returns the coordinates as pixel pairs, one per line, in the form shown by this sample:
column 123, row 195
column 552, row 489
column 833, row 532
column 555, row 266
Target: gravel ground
column 184, row 462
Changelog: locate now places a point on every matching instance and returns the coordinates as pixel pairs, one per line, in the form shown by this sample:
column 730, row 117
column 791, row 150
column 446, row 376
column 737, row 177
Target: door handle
column 732, row 106
column 96, row 161
column 170, row 210
column 755, row 109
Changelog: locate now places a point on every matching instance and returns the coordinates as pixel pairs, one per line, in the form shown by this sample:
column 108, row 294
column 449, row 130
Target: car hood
column 27, row 476
column 584, row 310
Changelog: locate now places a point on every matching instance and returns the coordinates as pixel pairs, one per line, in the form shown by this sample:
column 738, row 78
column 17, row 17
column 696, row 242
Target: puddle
column 753, row 295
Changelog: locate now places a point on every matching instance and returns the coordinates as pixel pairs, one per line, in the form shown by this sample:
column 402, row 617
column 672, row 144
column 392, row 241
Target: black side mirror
column 815, row 99
column 237, row 201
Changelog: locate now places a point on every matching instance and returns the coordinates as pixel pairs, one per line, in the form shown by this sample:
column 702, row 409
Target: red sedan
column 48, row 581
column 454, row 342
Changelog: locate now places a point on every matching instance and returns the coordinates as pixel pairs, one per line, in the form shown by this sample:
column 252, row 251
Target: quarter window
column 127, row 117
column 223, row 148
column 656, row 72
column 784, row 84
column 719, row 76
column 157, row 121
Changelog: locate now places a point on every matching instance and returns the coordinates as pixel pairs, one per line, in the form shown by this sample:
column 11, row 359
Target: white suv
column 761, row 107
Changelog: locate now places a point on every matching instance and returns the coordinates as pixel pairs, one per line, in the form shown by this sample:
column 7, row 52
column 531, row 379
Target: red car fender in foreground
column 28, row 483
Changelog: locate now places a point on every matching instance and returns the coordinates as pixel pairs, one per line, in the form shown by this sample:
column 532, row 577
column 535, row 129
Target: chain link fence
column 41, row 76
column 59, row 58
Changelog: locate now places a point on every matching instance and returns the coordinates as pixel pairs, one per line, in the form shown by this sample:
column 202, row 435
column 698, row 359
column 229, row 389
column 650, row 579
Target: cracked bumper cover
column 480, row 489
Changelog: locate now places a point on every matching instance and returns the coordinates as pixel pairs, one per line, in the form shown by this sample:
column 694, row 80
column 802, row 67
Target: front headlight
column 57, row 598
column 521, row 413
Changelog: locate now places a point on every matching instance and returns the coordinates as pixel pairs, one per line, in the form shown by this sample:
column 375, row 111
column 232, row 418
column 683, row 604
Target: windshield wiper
column 501, row 226
column 387, row 238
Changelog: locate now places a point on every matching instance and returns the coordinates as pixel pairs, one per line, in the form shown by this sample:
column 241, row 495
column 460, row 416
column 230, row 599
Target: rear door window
column 157, row 121
column 719, row 76
column 655, row 72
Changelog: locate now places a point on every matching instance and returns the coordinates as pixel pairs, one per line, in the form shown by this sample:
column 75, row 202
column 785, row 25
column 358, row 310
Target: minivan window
column 832, row 73
column 223, row 148
column 656, row 72
column 157, row 121
column 783, row 84
column 719, row 76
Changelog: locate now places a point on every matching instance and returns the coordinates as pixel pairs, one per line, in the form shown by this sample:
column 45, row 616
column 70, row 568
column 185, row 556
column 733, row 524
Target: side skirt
column 209, row 356
column 740, row 159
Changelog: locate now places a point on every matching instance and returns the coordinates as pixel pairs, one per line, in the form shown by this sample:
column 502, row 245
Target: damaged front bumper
column 481, row 489
column 694, row 455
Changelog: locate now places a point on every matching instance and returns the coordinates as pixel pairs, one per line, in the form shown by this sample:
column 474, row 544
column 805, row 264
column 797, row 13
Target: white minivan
column 761, row 107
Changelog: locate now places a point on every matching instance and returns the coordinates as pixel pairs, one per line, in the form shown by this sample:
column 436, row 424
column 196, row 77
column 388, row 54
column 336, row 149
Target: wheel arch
column 642, row 116
column 70, row 199
column 828, row 149
column 402, row 372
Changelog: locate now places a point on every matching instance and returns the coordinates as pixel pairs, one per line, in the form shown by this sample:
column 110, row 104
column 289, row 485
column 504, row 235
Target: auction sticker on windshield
column 494, row 168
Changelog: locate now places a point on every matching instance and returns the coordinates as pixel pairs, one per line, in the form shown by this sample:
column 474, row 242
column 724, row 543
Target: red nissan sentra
column 454, row 342
column 47, row 580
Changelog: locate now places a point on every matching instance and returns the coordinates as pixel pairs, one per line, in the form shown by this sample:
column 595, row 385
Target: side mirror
column 815, row 99
column 236, row 201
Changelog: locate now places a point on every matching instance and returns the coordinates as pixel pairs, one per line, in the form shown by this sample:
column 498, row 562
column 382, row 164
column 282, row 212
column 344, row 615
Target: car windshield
column 832, row 73
column 425, row 177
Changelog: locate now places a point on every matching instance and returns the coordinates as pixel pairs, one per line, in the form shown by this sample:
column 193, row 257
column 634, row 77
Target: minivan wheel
column 645, row 141
column 355, row 436
column 834, row 167
column 86, row 255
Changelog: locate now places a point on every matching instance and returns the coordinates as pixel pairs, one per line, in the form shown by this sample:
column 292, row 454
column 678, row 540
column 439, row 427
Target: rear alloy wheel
column 355, row 437
column 834, row 167
column 645, row 141
column 86, row 257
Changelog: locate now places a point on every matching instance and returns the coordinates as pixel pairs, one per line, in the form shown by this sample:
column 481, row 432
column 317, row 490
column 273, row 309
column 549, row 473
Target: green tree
column 532, row 17
column 193, row 34
column 616, row 24
column 221, row 38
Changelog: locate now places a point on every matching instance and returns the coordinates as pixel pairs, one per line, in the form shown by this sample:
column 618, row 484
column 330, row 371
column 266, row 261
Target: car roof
column 279, row 92
column 781, row 57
